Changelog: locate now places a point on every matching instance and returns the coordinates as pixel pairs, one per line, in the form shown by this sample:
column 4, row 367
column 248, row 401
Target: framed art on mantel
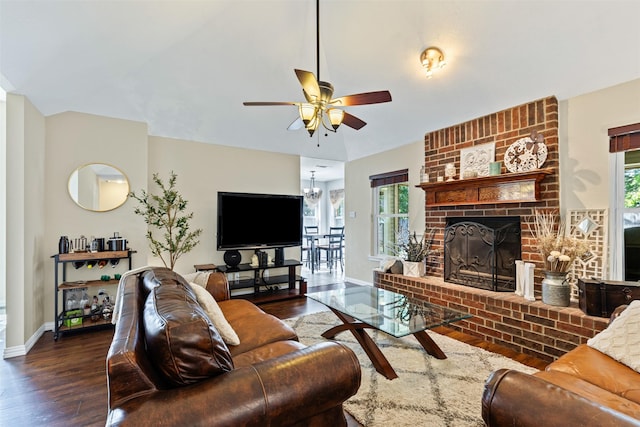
column 474, row 161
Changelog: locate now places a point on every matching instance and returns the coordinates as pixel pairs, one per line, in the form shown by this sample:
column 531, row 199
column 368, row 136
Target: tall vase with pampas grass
column 559, row 252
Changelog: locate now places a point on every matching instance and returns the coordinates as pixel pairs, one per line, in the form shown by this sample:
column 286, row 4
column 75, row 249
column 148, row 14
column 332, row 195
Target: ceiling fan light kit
column 335, row 117
column 432, row 59
column 320, row 108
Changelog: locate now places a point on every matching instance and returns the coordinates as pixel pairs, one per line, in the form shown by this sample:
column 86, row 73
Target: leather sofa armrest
column 283, row 391
column 513, row 398
column 218, row 286
column 617, row 312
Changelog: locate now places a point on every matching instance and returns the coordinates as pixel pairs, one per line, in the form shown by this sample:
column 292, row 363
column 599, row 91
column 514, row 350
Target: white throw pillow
column 199, row 278
column 621, row 339
column 210, row 306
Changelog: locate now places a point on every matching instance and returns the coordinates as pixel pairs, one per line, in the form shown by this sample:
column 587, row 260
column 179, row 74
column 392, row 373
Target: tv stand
column 266, row 289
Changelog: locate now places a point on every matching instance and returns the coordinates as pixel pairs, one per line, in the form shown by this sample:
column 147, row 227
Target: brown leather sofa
column 168, row 366
column 583, row 387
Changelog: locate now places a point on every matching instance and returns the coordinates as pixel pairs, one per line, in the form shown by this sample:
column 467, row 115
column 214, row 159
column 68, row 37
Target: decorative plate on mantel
column 476, row 160
column 526, row 154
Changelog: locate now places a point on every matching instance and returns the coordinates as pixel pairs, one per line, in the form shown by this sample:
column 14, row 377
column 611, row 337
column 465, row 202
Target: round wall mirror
column 98, row 187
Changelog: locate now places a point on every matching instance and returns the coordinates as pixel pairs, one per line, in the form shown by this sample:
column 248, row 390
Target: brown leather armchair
column 269, row 379
column 583, row 388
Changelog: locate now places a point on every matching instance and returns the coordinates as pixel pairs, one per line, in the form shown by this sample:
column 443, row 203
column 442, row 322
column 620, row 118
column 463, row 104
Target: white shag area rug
column 428, row 391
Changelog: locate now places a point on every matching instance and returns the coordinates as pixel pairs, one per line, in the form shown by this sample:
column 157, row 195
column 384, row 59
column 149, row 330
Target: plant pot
column 556, row 290
column 413, row 269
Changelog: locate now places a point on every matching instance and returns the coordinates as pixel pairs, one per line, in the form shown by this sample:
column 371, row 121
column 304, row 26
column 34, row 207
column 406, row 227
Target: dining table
column 312, row 240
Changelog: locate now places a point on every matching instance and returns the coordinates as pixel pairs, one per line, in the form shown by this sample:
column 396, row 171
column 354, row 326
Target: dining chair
column 311, row 233
column 333, row 248
column 311, row 229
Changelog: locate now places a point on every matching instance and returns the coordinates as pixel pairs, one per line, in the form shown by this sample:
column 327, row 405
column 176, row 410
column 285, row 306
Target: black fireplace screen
column 481, row 251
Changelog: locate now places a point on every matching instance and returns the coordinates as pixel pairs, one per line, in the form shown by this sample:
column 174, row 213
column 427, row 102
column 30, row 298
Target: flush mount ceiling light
column 432, row 59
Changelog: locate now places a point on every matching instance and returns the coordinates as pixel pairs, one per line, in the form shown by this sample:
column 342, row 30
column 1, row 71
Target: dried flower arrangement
column 414, row 249
column 558, row 250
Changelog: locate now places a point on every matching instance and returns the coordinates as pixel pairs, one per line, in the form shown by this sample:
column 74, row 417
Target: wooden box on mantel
column 506, row 188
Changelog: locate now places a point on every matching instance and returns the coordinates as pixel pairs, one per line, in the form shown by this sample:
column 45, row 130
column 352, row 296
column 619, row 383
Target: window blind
column 624, row 138
column 388, row 178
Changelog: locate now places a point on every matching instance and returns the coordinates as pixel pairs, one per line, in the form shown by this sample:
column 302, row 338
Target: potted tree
column 166, row 213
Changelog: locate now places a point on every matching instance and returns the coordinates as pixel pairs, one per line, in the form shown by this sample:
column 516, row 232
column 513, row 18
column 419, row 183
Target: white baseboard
column 22, row 350
column 357, row 281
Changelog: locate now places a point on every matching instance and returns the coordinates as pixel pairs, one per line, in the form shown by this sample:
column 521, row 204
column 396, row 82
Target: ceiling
column 185, row 67
column 324, row 170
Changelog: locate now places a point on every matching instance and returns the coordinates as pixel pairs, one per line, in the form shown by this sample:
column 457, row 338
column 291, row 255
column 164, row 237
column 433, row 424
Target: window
column 631, row 215
column 336, row 197
column 632, row 179
column 391, row 210
column 624, row 143
column 310, row 214
column 338, row 214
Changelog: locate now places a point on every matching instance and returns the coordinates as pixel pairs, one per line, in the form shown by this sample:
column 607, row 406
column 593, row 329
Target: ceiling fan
column 320, row 108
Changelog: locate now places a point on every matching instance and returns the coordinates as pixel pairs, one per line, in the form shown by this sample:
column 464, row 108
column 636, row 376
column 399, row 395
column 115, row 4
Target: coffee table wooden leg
column 331, row 333
column 429, row 345
column 369, row 346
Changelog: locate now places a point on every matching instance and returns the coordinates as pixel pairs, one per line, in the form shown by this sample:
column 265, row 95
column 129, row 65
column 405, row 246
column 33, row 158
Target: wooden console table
column 506, row 188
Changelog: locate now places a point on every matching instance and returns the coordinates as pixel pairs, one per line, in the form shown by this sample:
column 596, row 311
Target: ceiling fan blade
column 309, row 84
column 296, row 124
column 352, row 121
column 363, row 98
column 253, row 104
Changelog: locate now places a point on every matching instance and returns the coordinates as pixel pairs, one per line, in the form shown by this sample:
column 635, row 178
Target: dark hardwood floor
column 63, row 383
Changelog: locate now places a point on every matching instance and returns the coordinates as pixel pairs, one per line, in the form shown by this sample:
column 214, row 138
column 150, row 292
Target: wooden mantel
column 506, row 188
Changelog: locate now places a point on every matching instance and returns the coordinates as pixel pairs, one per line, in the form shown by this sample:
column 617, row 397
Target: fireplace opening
column 481, row 251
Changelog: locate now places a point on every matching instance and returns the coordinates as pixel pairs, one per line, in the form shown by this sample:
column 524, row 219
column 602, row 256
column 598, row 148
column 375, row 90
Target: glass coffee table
column 362, row 307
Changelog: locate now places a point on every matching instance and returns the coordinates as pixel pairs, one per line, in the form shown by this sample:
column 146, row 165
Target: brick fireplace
column 503, row 318
column 502, row 128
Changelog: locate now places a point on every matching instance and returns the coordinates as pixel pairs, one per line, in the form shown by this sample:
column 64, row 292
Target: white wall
column 585, row 175
column 587, row 169
column 358, row 204
column 76, row 139
column 203, row 170
column 25, row 258
column 3, row 199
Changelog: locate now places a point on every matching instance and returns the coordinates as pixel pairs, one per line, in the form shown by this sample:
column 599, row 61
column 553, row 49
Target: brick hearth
column 503, row 318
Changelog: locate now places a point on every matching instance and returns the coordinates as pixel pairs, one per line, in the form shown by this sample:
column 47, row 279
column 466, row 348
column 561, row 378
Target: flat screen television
column 258, row 221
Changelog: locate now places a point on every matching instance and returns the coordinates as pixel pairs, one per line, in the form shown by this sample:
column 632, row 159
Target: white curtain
column 336, row 196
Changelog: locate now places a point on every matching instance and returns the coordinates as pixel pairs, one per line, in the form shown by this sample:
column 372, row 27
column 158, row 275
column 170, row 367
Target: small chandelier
column 312, row 195
column 432, row 59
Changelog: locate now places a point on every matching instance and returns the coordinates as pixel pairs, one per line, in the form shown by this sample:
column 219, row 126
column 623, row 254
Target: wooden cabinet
column 506, row 188
column 266, row 286
column 76, row 319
